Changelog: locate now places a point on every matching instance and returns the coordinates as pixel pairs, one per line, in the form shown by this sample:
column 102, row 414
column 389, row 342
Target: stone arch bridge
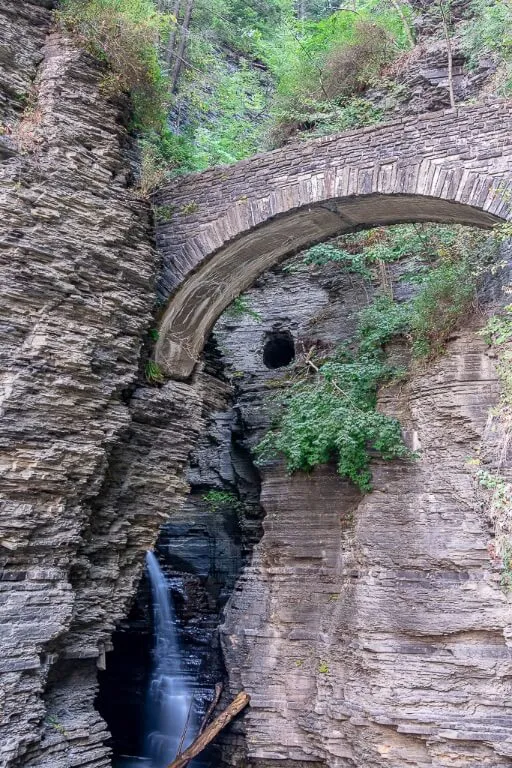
column 219, row 230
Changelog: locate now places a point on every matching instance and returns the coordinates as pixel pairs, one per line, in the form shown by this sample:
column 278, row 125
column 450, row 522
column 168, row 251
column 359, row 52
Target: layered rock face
column 370, row 631
column 77, row 274
column 202, row 549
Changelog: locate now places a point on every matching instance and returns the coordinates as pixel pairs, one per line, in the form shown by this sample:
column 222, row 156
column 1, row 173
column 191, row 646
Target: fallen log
column 208, row 735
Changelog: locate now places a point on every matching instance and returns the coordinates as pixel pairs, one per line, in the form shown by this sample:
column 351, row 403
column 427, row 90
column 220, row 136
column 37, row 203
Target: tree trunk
column 174, row 32
column 220, row 722
column 181, row 48
column 446, row 29
column 398, row 8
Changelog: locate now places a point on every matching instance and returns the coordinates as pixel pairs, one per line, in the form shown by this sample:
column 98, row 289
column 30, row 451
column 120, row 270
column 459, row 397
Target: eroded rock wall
column 370, row 631
column 77, row 294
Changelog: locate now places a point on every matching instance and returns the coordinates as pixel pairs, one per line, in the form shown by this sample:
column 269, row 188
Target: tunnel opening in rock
column 279, row 349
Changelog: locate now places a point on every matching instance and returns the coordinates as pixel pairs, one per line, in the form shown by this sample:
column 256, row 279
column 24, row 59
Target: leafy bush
column 447, row 294
column 381, row 321
column 321, row 66
column 221, row 501
column 325, row 253
column 498, row 329
column 124, row 34
column 489, row 31
column 335, row 416
column 360, row 251
column 349, row 69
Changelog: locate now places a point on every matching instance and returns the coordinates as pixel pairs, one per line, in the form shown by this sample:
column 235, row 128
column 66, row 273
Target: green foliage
column 323, row 668
column 124, row 34
column 447, row 294
column 498, row 329
column 498, row 334
column 253, row 74
column 361, row 251
column 335, row 416
column 322, row 422
column 499, row 507
column 320, row 68
column 224, row 110
column 489, row 31
column 240, row 307
column 222, row 501
column 164, row 154
column 325, row 253
column 352, row 67
column 503, row 231
column 153, row 373
column 381, row 321
column 506, row 558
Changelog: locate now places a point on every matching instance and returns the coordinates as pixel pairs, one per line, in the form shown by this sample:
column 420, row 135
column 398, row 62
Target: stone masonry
column 219, row 230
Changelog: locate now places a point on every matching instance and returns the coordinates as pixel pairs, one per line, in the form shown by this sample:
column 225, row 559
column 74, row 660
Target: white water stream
column 169, row 697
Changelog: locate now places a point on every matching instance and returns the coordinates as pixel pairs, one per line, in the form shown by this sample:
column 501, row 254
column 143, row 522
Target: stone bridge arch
column 219, row 230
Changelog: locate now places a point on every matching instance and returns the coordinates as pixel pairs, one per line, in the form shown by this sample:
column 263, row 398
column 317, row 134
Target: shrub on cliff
column 321, row 68
column 349, row 69
column 329, row 411
column 489, row 32
column 333, row 416
column 124, row 34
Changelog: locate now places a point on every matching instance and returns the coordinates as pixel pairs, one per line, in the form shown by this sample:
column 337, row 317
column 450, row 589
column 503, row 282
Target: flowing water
column 169, row 697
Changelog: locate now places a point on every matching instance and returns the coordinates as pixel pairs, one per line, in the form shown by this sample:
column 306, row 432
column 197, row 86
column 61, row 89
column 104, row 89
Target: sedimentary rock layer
column 76, row 287
column 370, row 631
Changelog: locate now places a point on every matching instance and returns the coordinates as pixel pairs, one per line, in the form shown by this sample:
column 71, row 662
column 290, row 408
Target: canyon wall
column 90, row 465
column 370, row 631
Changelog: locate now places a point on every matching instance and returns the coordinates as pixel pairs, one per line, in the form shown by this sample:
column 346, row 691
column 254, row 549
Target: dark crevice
column 279, row 349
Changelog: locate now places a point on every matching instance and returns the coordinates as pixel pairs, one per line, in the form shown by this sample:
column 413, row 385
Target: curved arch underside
column 229, row 225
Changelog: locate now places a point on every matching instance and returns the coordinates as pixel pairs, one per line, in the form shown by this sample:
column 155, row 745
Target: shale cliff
column 76, row 299
column 371, row 631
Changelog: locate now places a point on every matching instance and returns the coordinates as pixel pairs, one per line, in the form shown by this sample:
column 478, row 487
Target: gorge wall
column 79, row 441
column 371, row 631
column 368, row 631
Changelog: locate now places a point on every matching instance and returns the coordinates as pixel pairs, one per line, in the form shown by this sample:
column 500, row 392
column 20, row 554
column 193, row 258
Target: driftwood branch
column 220, row 722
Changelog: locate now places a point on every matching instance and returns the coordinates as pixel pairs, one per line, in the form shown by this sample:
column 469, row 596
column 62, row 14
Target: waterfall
column 169, row 697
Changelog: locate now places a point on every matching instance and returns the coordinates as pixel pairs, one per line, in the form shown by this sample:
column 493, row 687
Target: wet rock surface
column 202, row 549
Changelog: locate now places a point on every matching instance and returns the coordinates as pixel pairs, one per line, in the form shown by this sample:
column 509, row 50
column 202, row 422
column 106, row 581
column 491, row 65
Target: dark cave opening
column 123, row 684
column 279, row 349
